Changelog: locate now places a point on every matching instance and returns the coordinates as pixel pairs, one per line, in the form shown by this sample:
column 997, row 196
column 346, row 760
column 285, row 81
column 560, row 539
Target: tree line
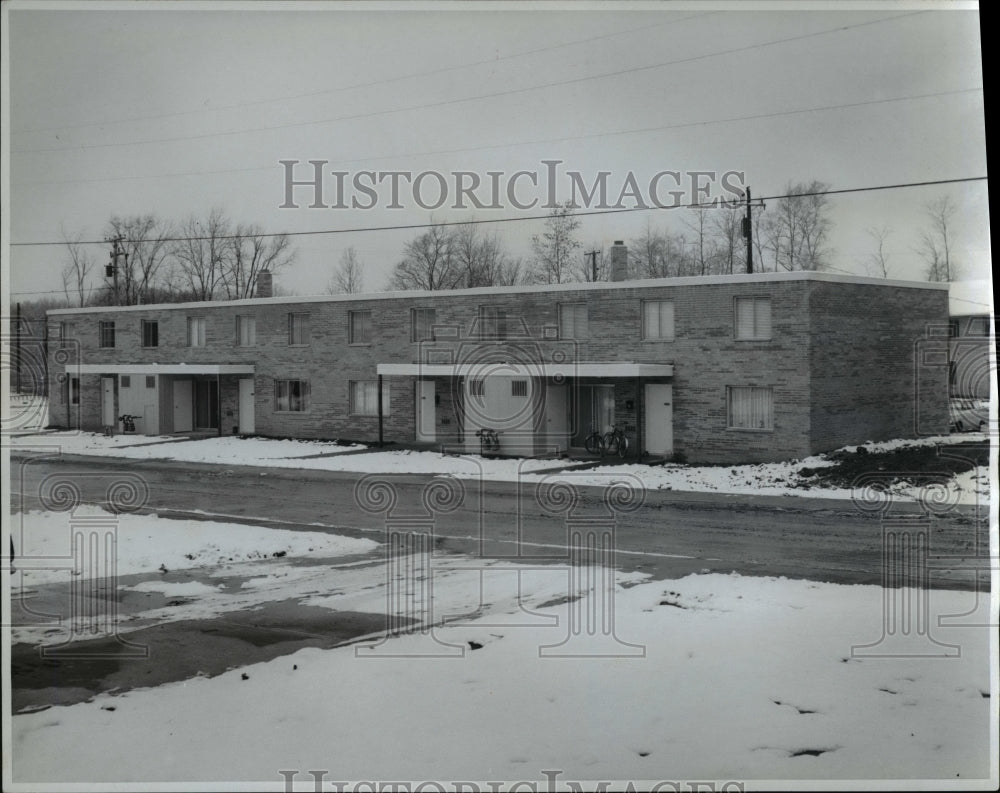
column 200, row 258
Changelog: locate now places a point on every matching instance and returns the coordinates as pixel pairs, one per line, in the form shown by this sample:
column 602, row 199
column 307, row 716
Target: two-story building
column 739, row 368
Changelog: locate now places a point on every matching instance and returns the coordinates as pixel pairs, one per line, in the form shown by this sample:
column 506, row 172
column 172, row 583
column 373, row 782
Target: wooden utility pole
column 748, row 229
column 111, row 270
column 593, row 264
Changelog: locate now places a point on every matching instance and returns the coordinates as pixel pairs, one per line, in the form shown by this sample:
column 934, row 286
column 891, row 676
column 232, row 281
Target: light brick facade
column 846, row 360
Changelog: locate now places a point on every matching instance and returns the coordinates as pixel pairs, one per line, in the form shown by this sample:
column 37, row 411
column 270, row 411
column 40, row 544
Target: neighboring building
column 739, row 368
column 970, row 309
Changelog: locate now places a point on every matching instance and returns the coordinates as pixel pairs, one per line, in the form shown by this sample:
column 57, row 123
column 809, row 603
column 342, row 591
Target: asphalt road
column 668, row 534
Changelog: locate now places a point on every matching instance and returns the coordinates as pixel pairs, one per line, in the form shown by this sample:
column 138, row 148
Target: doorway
column 659, row 418
column 426, row 395
column 206, row 405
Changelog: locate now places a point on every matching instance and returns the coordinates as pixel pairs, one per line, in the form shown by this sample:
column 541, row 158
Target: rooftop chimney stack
column 265, row 287
column 619, row 261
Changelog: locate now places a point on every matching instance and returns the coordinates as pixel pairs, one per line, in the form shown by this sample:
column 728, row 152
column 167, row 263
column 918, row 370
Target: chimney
column 619, row 261
column 264, row 286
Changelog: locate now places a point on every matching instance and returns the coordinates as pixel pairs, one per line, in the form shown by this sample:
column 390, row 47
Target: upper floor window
column 150, row 333
column 364, row 398
column 492, row 322
column 291, row 396
column 63, row 332
column 750, row 408
column 572, row 320
column 658, row 319
column 360, row 327
column 519, row 388
column 107, row 333
column 298, row 328
column 753, row 318
column 246, row 331
column 195, row 331
column 422, row 323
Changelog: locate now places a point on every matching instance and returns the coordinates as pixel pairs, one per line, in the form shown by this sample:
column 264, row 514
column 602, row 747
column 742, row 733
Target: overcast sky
column 176, row 110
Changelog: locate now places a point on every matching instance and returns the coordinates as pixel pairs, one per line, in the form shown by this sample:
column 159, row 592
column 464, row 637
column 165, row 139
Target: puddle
column 178, row 651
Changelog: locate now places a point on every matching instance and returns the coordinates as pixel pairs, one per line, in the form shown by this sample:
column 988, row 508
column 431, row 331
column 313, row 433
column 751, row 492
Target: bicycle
column 489, row 440
column 616, row 442
column 594, row 444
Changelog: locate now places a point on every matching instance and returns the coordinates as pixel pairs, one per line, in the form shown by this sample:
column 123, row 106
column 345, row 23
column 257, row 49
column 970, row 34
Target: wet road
column 667, row 534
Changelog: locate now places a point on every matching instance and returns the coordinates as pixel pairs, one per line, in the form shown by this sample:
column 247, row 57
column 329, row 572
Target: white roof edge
column 601, row 369
column 160, row 368
column 707, row 280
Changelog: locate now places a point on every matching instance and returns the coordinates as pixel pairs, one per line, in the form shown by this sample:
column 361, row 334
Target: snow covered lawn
column 147, row 542
column 777, row 479
column 741, row 678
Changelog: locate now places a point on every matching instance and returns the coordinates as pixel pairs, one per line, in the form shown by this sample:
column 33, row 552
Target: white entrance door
column 659, row 418
column 183, row 406
column 424, row 411
column 247, row 421
column 556, row 418
column 108, row 418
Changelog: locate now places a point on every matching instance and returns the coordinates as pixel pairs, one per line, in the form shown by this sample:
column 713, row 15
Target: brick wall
column 878, row 357
column 817, row 327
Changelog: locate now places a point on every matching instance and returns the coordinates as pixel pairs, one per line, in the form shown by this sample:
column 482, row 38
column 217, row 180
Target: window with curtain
column 658, row 319
column 364, row 398
column 360, row 327
column 291, row 396
column 753, row 318
column 750, row 408
column 572, row 320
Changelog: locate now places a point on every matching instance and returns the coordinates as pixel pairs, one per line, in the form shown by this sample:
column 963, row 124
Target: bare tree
column 730, row 245
column 555, row 248
column 704, row 253
column 935, row 242
column 79, row 263
column 202, row 253
column 798, row 227
column 877, row 263
column 250, row 251
column 428, row 263
column 145, row 241
column 347, row 278
column 657, row 254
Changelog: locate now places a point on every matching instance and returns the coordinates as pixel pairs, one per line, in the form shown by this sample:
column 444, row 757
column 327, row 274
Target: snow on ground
column 25, row 413
column 778, row 479
column 740, row 678
column 145, row 542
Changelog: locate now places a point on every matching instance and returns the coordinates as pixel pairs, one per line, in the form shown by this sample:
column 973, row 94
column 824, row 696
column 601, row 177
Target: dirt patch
column 913, row 465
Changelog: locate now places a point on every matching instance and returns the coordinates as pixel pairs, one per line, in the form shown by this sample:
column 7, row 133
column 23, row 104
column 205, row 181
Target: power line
column 461, row 100
column 561, row 139
column 371, row 84
column 478, row 222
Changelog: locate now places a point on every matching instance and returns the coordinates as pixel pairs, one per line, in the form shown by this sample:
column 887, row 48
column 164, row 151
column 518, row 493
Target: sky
column 178, row 109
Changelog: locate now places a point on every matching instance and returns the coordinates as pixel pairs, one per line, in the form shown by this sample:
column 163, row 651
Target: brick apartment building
column 970, row 309
column 739, row 368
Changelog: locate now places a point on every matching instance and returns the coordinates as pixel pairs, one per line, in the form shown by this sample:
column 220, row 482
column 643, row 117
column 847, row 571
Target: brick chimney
column 619, row 261
column 265, row 287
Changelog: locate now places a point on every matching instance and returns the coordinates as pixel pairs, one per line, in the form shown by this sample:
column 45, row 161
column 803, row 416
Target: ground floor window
column 291, row 395
column 71, row 391
column 364, row 398
column 750, row 408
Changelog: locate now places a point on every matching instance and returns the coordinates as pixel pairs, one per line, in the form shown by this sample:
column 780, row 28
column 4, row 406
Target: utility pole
column 748, row 229
column 593, row 264
column 17, row 347
column 111, row 270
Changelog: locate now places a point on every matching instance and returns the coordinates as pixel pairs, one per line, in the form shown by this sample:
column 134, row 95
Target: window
column 291, row 396
column 953, row 328
column 246, row 331
column 519, row 388
column 422, row 323
column 364, row 398
column 74, row 390
column 107, row 331
column 63, row 331
column 492, row 322
column 750, row 408
column 979, row 326
column 477, row 387
column 360, row 327
column 126, row 381
column 196, row 331
column 150, row 333
column 298, row 328
column 572, row 320
column 658, row 319
column 151, row 381
column 753, row 318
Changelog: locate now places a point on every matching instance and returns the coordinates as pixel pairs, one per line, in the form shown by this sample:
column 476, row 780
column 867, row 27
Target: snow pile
column 719, row 677
column 25, row 413
column 145, row 543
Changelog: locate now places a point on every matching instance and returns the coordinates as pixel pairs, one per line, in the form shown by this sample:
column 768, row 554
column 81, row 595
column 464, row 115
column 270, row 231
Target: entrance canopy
column 603, row 369
column 159, row 368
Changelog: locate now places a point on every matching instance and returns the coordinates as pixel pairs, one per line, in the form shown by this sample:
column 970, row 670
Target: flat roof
column 160, row 368
column 701, row 280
